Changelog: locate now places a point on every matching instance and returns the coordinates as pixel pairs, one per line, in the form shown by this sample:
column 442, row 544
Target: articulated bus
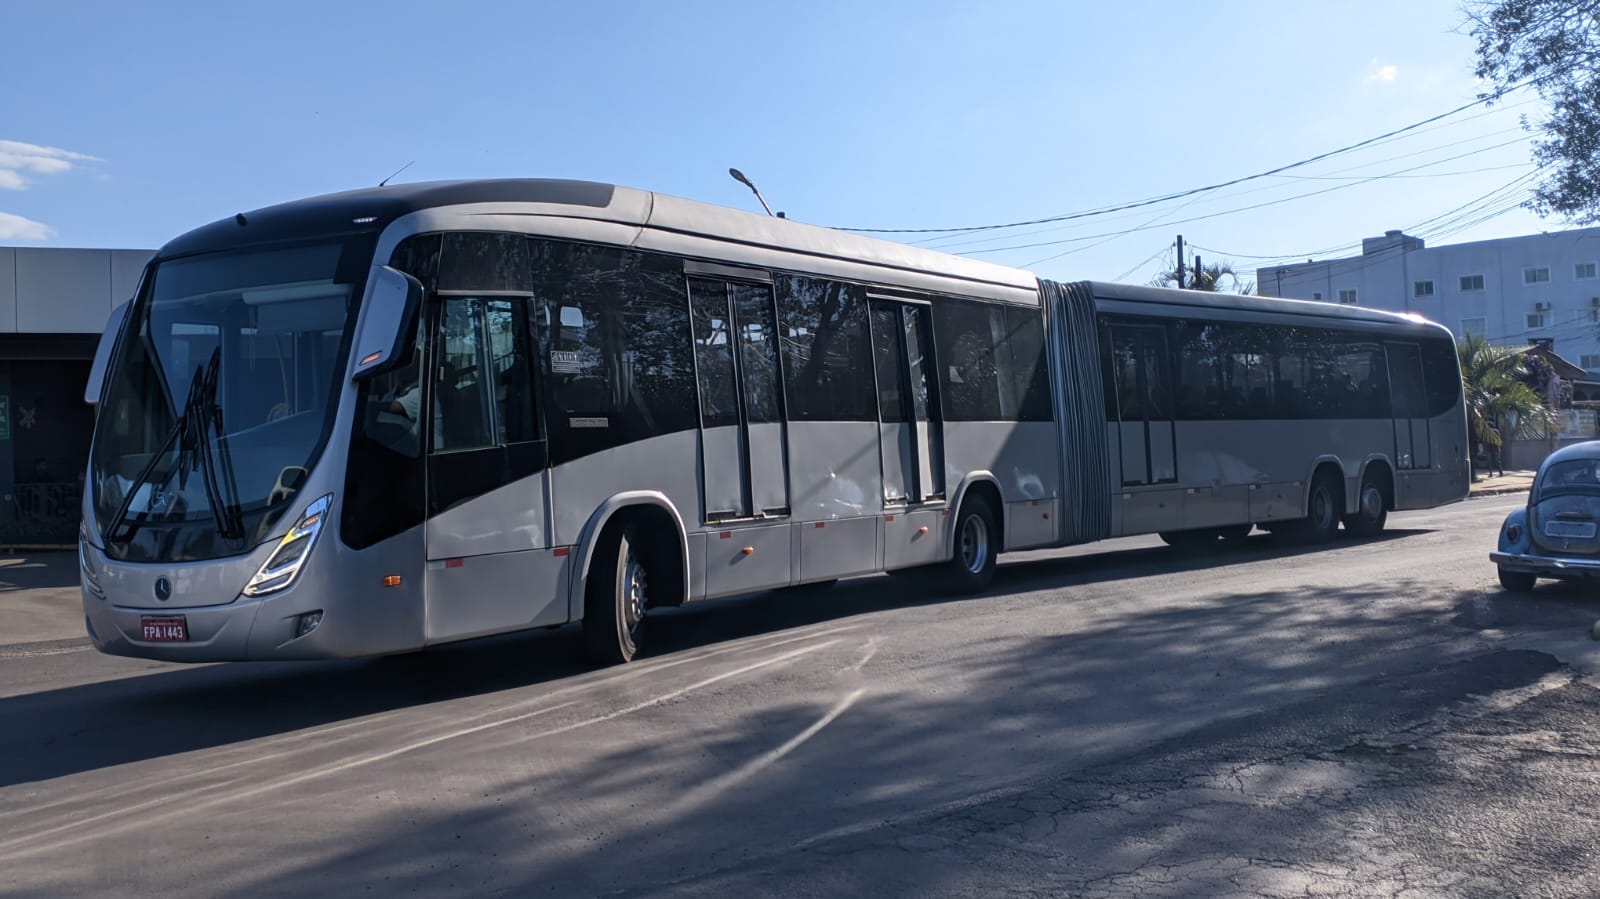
column 377, row 421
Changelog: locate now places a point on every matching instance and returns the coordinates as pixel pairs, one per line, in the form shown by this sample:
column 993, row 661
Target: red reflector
column 370, row 358
column 822, row 524
column 391, row 580
column 562, row 551
column 454, row 563
column 726, row 535
column 888, row 518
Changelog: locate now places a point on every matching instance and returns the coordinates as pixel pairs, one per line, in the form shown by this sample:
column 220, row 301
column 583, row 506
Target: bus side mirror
column 102, row 353
column 388, row 324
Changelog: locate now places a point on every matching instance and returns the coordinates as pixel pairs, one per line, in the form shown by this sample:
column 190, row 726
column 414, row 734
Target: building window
column 1470, row 283
column 1583, row 271
column 1316, row 295
column 1473, row 327
column 1422, row 289
column 1590, row 361
column 1539, row 275
column 1347, row 296
column 1537, row 319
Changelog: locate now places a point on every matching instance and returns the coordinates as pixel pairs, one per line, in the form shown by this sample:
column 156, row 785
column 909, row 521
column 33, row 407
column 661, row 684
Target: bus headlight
column 281, row 568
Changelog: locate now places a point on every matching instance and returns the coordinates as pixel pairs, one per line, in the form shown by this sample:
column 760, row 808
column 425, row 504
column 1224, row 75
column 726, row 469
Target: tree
column 1555, row 45
column 1498, row 396
column 1218, row 278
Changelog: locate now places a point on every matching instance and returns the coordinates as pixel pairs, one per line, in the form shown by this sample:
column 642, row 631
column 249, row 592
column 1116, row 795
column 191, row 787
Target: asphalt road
column 1368, row 718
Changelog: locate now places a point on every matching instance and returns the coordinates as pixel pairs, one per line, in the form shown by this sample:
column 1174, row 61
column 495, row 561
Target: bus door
column 910, row 435
column 744, row 442
column 1142, row 370
column 1409, row 401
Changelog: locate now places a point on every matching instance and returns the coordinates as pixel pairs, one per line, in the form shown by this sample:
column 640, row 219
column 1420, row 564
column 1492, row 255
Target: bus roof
column 373, row 209
column 1199, row 299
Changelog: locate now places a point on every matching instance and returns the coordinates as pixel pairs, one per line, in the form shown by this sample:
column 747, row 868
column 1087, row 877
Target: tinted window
column 758, row 352
column 1405, row 381
column 887, row 361
column 1025, row 383
column 713, row 353
column 614, row 328
column 964, row 338
column 827, row 353
column 471, row 261
column 1442, row 373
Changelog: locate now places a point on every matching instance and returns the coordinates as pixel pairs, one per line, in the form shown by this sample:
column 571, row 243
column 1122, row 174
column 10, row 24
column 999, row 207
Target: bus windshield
column 220, row 397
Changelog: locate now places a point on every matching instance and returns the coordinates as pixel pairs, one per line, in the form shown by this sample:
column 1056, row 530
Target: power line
column 1198, row 190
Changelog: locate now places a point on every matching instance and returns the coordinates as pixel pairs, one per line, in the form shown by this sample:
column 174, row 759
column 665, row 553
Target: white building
column 53, row 305
column 1515, row 290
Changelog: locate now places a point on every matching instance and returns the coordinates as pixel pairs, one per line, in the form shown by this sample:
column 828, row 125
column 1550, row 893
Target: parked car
column 1557, row 534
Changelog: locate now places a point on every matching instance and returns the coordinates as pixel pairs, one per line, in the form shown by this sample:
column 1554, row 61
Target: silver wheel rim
column 974, row 544
column 1322, row 508
column 634, row 594
column 1371, row 502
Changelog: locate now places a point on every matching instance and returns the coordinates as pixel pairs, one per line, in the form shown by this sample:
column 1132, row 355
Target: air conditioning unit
column 1541, row 307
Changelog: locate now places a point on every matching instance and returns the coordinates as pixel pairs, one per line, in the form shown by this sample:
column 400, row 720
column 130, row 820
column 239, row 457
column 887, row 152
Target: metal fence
column 41, row 514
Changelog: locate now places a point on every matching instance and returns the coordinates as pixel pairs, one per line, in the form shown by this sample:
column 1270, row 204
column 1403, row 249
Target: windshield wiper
column 204, row 413
column 190, row 433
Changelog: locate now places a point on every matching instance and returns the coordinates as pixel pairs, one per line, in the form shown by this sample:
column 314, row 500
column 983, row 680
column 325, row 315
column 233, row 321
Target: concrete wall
column 64, row 291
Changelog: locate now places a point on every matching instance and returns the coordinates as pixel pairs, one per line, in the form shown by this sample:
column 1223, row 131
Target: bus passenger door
column 910, row 434
column 1410, row 407
column 744, row 458
column 1143, row 373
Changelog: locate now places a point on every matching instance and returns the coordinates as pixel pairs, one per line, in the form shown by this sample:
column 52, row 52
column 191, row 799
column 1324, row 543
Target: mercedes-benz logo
column 163, row 589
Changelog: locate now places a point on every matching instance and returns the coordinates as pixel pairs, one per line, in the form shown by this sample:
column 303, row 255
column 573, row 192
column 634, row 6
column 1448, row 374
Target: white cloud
column 19, row 159
column 15, row 227
column 1379, row 71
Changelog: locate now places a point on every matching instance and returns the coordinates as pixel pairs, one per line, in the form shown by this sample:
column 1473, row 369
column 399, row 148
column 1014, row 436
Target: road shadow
column 56, row 733
column 36, row 571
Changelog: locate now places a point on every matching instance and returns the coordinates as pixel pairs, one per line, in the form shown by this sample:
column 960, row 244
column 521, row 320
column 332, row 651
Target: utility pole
column 1180, row 261
column 1198, row 270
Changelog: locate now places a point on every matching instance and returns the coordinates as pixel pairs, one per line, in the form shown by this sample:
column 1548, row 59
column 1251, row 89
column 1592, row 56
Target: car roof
column 1589, row 449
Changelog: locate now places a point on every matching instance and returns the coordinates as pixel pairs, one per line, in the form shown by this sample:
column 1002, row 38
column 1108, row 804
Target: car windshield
column 1571, row 476
column 221, row 396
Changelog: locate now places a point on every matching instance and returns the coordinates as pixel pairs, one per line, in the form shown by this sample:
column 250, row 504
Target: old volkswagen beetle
column 1555, row 534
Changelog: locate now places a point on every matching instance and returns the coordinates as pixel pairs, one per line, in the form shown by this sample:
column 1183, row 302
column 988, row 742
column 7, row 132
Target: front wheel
column 1517, row 581
column 971, row 567
column 615, row 600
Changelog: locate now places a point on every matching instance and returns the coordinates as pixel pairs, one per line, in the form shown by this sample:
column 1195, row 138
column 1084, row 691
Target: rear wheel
column 616, row 599
column 1372, row 510
column 971, row 567
column 1323, row 508
column 1517, row 581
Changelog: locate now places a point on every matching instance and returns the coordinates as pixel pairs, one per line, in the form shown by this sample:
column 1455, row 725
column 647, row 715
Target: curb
column 1497, row 491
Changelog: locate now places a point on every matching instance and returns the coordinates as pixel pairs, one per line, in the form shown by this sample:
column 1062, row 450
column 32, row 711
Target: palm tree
column 1497, row 394
column 1218, row 278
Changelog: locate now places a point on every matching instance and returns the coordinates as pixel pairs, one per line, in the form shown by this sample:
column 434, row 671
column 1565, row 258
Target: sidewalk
column 40, row 600
column 1510, row 482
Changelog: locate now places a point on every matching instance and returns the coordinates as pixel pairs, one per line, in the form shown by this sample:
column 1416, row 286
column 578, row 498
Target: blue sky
column 123, row 125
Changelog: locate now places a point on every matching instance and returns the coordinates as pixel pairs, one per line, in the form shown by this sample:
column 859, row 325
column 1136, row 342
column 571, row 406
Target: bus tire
column 1372, row 510
column 971, row 565
column 1323, row 510
column 615, row 599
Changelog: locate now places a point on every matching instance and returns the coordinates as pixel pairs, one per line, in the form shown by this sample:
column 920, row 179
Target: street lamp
column 739, row 177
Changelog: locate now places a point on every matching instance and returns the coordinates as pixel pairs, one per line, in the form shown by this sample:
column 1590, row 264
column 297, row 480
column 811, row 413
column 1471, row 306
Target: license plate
column 164, row 628
column 1577, row 530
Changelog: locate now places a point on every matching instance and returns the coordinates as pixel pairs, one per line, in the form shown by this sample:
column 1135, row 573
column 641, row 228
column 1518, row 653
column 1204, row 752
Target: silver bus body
column 744, row 485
